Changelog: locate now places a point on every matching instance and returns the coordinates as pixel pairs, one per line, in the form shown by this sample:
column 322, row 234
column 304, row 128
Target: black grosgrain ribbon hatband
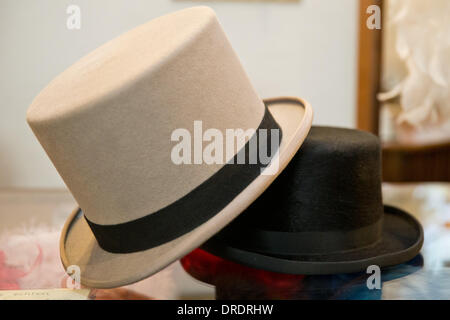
column 299, row 243
column 196, row 207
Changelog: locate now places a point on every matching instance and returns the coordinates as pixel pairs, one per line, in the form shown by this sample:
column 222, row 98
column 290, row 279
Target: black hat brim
column 401, row 240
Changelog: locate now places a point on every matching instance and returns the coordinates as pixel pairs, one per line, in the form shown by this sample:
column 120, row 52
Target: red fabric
column 209, row 268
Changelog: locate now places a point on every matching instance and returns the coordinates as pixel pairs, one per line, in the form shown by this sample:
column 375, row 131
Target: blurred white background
column 307, row 48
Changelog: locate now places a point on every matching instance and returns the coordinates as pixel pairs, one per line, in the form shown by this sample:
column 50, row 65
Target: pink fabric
column 29, row 259
column 10, row 276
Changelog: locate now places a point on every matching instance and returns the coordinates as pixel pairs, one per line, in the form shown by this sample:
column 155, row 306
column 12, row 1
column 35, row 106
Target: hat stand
column 233, row 281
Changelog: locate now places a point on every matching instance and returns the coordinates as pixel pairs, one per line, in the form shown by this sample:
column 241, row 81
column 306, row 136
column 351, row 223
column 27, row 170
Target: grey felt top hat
column 106, row 124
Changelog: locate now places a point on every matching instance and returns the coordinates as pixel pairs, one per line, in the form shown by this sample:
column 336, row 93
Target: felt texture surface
column 106, row 122
column 332, row 183
column 329, row 198
column 400, row 241
column 103, row 269
column 198, row 206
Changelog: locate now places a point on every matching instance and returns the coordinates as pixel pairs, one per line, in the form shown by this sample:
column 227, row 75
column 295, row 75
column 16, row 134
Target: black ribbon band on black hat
column 195, row 208
column 300, row 243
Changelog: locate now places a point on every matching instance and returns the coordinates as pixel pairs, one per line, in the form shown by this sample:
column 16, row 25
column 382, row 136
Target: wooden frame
column 369, row 70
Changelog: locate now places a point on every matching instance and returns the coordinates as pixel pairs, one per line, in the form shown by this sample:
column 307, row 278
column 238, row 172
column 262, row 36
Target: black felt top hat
column 324, row 214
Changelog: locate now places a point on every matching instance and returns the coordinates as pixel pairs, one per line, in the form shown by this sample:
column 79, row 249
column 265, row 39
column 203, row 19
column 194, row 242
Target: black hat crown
column 324, row 213
column 327, row 199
